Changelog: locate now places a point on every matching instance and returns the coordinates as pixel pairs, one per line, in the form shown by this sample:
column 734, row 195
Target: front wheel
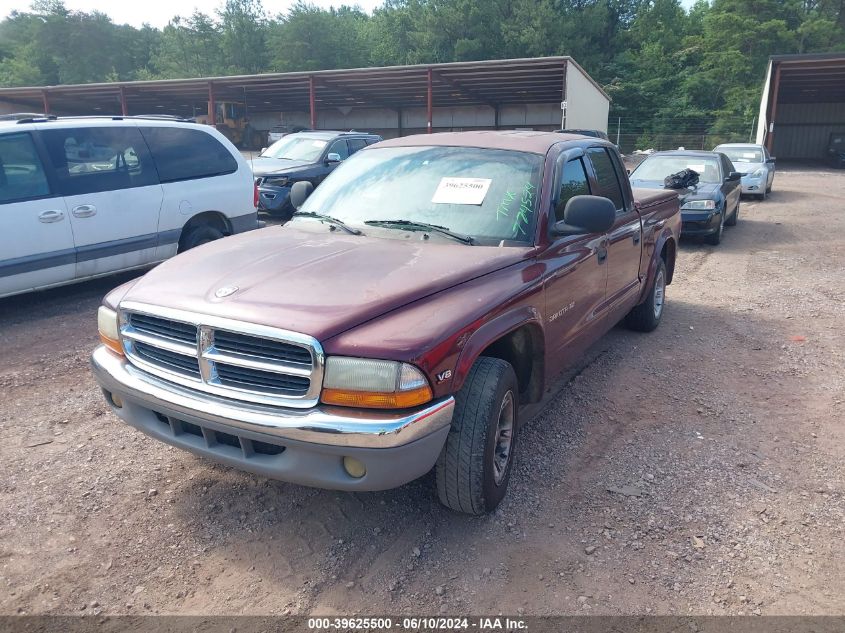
column 731, row 221
column 474, row 467
column 646, row 316
column 716, row 238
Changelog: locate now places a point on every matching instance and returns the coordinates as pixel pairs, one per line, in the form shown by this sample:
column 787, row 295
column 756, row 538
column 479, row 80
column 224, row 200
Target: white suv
column 84, row 197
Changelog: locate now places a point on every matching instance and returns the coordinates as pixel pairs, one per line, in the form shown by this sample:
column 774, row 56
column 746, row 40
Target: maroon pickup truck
column 426, row 290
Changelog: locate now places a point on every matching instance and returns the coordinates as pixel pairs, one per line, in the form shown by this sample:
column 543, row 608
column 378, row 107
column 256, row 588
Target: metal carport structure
column 803, row 102
column 495, row 84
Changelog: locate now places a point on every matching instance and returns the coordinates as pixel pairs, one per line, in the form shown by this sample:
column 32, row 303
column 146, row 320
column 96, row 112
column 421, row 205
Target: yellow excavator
column 233, row 123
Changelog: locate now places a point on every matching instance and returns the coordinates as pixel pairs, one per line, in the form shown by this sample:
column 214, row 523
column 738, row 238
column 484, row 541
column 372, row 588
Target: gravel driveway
column 698, row 469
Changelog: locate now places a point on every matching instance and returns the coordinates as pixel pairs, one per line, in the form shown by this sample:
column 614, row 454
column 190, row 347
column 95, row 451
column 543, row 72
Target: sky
column 158, row 12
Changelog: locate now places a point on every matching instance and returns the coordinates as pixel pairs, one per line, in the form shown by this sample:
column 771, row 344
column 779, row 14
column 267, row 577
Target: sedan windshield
column 658, row 167
column 488, row 195
column 742, row 154
column 306, row 148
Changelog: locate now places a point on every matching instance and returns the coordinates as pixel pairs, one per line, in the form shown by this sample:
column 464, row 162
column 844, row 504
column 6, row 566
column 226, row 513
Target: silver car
column 755, row 164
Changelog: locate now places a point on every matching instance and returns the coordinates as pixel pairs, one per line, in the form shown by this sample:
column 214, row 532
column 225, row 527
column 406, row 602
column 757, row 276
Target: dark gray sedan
column 707, row 207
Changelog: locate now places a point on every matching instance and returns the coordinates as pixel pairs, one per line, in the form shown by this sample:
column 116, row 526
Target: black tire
column 731, row 221
column 762, row 196
column 716, row 238
column 646, row 316
column 468, row 479
column 199, row 235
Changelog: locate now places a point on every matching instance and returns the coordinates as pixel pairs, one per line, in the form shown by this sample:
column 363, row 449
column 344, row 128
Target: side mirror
column 263, row 149
column 333, row 157
column 299, row 192
column 734, row 176
column 586, row 214
column 771, row 160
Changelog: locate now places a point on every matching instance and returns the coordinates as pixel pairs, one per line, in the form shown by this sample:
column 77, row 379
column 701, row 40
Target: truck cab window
column 339, row 147
column 606, row 177
column 573, row 182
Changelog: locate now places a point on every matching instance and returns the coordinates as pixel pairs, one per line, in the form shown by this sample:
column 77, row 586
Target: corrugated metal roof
column 489, row 82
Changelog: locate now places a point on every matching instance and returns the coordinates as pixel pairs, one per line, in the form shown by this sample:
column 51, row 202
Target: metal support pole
column 618, row 130
column 770, row 137
column 399, row 122
column 429, row 104
column 312, row 102
column 496, row 116
column 45, row 101
column 212, row 106
column 124, row 108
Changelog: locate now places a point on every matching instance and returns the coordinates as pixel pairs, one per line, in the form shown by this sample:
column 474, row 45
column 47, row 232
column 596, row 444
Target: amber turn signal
column 376, row 400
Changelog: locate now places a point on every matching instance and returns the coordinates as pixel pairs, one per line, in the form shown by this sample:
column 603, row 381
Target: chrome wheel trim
column 659, row 294
column 504, row 438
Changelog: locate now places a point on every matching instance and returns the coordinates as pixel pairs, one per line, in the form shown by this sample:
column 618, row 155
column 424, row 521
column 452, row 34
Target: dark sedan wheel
column 475, row 465
column 716, row 238
column 731, row 221
column 198, row 236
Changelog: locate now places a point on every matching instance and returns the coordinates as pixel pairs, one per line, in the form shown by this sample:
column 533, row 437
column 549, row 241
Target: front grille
column 175, row 362
column 261, row 348
column 223, row 357
column 183, row 332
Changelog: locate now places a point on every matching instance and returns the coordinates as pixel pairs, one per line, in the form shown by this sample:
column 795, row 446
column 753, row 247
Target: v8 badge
column 444, row 376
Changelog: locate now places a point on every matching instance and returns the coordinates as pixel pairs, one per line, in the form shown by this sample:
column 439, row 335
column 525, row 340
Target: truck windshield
column 489, row 195
column 292, row 147
column 658, row 167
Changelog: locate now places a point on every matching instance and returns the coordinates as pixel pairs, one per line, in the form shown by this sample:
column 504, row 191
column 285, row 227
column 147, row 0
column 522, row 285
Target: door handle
column 84, row 211
column 48, row 217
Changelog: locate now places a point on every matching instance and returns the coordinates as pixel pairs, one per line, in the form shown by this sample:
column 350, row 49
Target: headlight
column 699, row 205
column 276, row 181
column 108, row 328
column 757, row 173
column 378, row 384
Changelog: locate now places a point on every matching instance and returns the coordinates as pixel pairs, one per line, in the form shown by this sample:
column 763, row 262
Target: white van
column 84, row 197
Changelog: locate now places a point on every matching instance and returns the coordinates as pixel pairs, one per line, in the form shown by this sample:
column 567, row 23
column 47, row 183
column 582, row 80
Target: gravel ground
column 698, row 469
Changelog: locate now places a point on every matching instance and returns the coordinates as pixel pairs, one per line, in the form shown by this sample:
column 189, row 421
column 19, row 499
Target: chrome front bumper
column 396, row 447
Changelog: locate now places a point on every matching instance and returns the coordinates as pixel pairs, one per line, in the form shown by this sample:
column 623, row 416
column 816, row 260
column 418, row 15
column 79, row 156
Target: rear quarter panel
column 661, row 220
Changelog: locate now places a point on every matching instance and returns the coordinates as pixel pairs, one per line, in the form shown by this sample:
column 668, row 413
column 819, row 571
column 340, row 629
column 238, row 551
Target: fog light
column 354, row 467
column 115, row 399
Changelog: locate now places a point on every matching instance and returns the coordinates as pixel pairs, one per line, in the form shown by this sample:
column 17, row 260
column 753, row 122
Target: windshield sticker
column 318, row 143
column 526, row 207
column 504, row 205
column 749, row 154
column 697, row 168
column 461, row 191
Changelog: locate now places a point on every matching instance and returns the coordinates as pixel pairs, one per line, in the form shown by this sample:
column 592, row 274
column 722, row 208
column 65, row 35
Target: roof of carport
column 490, row 82
column 811, row 78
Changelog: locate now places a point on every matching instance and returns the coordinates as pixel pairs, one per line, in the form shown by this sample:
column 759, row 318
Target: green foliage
column 676, row 76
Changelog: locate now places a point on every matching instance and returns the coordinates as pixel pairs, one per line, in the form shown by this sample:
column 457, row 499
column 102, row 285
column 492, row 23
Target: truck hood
column 313, row 281
column 266, row 166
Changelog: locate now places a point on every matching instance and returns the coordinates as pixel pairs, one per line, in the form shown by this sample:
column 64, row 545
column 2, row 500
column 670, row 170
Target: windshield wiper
column 411, row 225
column 329, row 219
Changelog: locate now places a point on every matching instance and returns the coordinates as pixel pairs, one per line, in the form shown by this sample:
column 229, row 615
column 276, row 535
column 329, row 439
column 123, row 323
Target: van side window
column 185, row 154
column 573, row 182
column 606, row 177
column 22, row 175
column 99, row 159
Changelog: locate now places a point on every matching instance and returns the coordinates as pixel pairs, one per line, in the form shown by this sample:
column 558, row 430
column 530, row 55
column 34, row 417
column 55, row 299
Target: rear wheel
column 199, row 235
column 474, row 467
column 646, row 316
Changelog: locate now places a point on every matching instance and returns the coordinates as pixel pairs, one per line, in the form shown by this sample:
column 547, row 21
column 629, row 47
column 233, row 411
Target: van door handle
column 84, row 211
column 51, row 216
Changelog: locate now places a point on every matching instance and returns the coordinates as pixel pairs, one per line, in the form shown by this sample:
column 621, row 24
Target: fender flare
column 664, row 236
column 490, row 332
